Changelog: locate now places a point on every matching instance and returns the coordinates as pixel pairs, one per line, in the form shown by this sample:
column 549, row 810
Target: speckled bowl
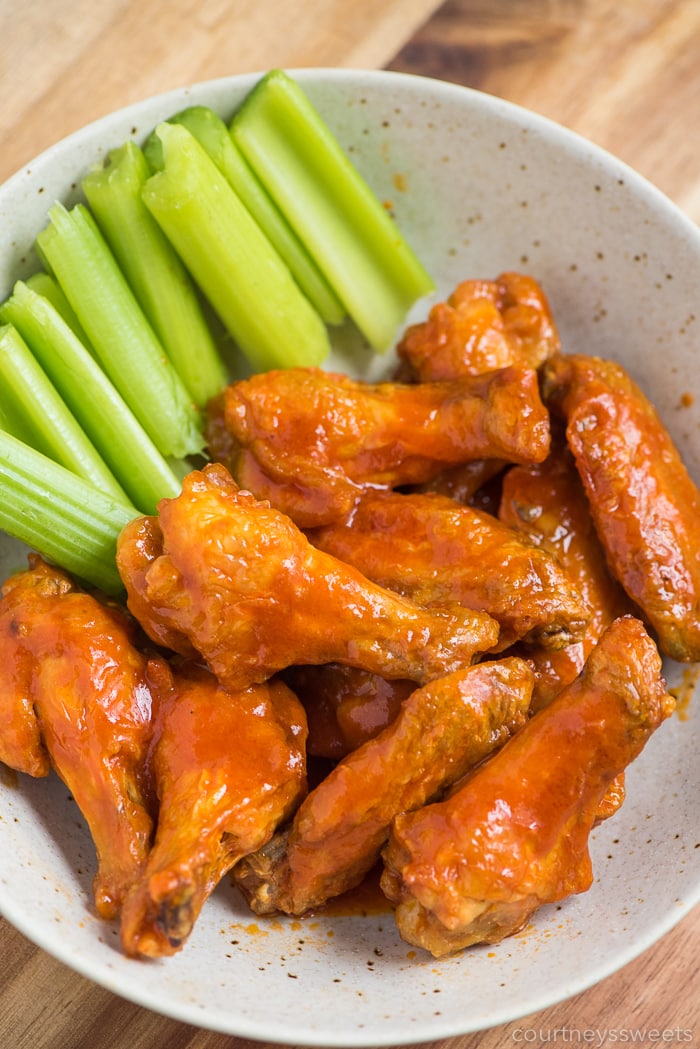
column 479, row 186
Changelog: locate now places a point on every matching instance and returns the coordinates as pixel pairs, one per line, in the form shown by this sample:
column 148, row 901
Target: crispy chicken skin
column 644, row 504
column 345, row 706
column 474, row 867
column 244, row 587
column 432, row 549
column 483, row 325
column 312, row 441
column 548, row 505
column 442, row 730
column 228, row 768
column 73, row 662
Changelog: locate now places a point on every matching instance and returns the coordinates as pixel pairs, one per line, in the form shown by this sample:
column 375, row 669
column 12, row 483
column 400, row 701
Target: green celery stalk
column 53, row 428
column 14, row 421
column 46, row 285
column 230, row 258
column 125, row 344
column 156, row 274
column 213, row 135
column 355, row 242
column 61, row 516
column 101, row 411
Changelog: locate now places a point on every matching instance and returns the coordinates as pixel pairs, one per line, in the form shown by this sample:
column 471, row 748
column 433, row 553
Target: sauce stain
column 683, row 693
column 365, row 899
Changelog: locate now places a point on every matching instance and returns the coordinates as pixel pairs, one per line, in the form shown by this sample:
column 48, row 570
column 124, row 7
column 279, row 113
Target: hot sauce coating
column 244, row 587
column 345, row 706
column 343, row 436
column 483, row 325
column 548, row 505
column 91, row 690
column 645, row 506
column 442, row 730
column 474, row 867
column 228, row 768
column 434, row 550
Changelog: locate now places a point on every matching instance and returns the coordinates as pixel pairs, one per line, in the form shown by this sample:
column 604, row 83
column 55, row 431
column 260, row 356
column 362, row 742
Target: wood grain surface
column 626, row 74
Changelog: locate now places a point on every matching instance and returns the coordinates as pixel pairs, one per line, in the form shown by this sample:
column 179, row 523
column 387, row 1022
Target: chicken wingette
column 474, row 867
column 442, row 730
column 434, row 550
column 645, row 505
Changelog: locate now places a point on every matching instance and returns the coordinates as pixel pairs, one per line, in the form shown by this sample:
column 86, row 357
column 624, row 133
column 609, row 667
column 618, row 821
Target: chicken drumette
column 474, row 867
column 228, row 768
column 441, row 731
column 81, row 693
column 311, row 441
column 229, row 577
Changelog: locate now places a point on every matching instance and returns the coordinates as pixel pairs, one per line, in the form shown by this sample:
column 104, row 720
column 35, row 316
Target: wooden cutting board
column 625, row 74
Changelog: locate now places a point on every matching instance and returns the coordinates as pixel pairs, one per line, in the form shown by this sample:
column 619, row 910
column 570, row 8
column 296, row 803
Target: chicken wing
column 21, row 744
column 228, row 768
column 483, row 325
column 548, row 505
column 345, row 706
column 74, row 662
column 645, row 507
column 433, row 550
column 311, row 441
column 243, row 586
column 474, row 867
column 442, row 730
column 465, row 482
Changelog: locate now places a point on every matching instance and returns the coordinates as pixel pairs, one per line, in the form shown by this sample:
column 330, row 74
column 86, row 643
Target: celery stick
column 59, row 515
column 13, row 420
column 231, row 259
column 156, row 275
column 54, row 430
column 126, row 345
column 46, row 285
column 356, row 244
column 213, row 135
column 101, row 411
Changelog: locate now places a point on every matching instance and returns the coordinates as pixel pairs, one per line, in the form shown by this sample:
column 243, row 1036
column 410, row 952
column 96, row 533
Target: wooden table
column 625, row 73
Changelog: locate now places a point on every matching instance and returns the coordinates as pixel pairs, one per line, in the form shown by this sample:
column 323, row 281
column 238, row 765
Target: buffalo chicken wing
column 311, row 441
column 548, row 505
column 234, row 579
column 228, row 768
column 434, row 550
column 345, row 706
column 645, row 506
column 483, row 325
column 474, row 867
column 442, row 730
column 71, row 660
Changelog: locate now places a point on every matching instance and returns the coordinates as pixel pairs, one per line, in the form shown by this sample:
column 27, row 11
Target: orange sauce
column 8, row 776
column 366, row 899
column 683, row 693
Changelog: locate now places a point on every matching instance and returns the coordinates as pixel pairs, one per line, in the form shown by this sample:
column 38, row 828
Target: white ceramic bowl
column 479, row 186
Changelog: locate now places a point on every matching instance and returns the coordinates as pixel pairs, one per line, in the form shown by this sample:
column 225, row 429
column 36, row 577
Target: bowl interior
column 479, row 187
